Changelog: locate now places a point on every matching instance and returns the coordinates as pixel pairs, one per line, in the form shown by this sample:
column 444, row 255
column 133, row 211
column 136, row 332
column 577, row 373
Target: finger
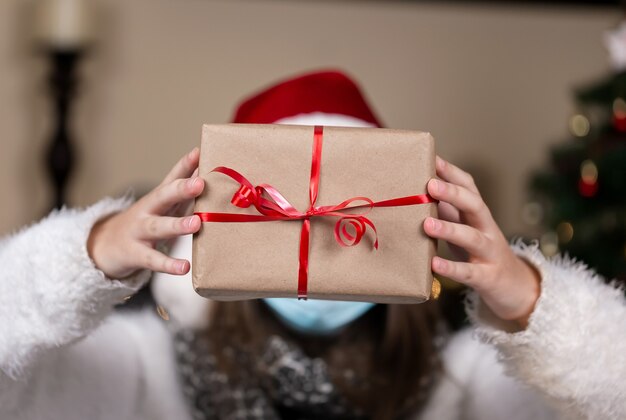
column 466, row 237
column 183, row 208
column 454, row 174
column 163, row 198
column 462, row 272
column 155, row 228
column 469, row 203
column 155, row 261
column 184, row 167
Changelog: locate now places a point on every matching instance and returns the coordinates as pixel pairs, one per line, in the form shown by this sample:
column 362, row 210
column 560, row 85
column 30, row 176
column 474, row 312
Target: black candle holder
column 63, row 82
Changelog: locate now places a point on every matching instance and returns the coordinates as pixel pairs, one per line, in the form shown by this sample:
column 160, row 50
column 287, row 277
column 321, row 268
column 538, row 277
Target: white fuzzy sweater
column 64, row 354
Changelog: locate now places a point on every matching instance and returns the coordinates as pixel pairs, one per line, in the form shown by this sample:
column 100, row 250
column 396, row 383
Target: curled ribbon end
column 241, row 198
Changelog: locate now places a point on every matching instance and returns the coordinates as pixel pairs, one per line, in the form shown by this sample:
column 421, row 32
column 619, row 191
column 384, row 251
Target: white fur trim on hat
column 320, row 118
column 176, row 294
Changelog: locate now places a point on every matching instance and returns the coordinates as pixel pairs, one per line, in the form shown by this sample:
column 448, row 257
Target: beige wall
column 491, row 83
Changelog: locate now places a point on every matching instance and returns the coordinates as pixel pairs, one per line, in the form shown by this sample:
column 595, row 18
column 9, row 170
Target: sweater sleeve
column 574, row 348
column 51, row 293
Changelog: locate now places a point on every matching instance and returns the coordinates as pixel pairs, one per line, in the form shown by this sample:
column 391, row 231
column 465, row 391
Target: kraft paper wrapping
column 237, row 261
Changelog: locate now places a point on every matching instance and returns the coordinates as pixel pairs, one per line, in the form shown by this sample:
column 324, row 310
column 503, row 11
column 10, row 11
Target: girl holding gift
column 66, row 354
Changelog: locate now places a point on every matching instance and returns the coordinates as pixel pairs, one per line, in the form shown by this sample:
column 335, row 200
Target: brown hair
column 392, row 347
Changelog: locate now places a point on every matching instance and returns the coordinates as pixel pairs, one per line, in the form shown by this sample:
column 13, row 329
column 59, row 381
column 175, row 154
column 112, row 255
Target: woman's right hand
column 125, row 242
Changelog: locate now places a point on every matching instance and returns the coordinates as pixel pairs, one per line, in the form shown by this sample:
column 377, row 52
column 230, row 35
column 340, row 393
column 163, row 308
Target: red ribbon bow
column 278, row 208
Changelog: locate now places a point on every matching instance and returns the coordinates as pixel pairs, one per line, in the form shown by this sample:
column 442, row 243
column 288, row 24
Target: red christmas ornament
column 619, row 114
column 587, row 189
column 619, row 122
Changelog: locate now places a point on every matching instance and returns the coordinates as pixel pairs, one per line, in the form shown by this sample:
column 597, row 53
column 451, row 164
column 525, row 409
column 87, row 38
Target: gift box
column 314, row 212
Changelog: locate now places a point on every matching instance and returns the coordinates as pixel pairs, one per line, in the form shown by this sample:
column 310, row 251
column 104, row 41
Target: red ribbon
column 278, row 208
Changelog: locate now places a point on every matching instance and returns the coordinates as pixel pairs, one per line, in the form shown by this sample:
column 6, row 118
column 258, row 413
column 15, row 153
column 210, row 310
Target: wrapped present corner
column 314, row 212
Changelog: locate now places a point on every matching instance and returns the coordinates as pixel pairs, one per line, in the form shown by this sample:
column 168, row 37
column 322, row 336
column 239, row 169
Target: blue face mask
column 317, row 317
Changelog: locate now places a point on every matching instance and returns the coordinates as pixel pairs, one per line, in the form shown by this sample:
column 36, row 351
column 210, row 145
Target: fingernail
column 440, row 163
column 193, row 151
column 435, row 185
column 434, row 224
column 189, row 221
column 192, row 182
column 181, row 266
column 439, row 263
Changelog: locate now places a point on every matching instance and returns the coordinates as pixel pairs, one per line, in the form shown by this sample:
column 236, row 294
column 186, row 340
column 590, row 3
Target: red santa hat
column 320, row 98
column 328, row 95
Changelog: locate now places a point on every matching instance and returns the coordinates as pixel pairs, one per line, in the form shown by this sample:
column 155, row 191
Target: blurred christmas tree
column 581, row 199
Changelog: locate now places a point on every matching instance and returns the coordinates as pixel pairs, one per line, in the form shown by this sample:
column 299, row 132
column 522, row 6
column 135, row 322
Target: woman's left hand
column 508, row 285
